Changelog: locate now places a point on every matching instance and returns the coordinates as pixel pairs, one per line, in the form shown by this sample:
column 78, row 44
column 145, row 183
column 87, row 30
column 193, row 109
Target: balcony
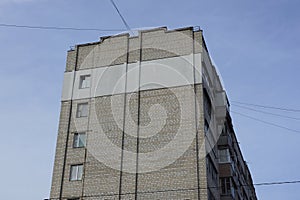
column 225, row 140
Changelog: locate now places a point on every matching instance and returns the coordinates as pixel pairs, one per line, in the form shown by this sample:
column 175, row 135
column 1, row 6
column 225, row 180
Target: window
column 85, row 81
column 76, row 172
column 82, row 110
column 224, row 156
column 211, row 170
column 207, row 104
column 225, row 186
column 206, row 127
column 79, row 140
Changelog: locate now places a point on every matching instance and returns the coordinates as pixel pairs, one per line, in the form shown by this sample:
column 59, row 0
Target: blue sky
column 255, row 45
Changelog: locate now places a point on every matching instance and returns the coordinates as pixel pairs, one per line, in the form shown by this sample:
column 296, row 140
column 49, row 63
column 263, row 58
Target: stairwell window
column 79, row 140
column 76, row 172
column 85, row 81
column 82, row 110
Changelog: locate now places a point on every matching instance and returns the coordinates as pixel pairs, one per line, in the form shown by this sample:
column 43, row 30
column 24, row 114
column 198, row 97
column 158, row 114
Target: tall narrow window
column 76, row 172
column 82, row 110
column 225, row 186
column 85, row 81
column 206, row 127
column 211, row 170
column 207, row 104
column 79, row 140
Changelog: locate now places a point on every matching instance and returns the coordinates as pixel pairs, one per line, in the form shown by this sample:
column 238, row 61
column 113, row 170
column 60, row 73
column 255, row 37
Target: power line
column 269, row 113
column 121, row 16
column 266, row 122
column 58, row 28
column 278, row 183
column 270, row 107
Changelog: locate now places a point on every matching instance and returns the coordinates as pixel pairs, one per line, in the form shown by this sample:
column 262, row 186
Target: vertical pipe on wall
column 68, row 129
column 138, row 115
column 196, row 117
column 124, row 117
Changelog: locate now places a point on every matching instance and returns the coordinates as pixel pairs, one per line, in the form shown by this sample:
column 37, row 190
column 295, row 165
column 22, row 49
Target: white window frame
column 79, row 140
column 80, row 110
column 85, row 81
column 76, row 172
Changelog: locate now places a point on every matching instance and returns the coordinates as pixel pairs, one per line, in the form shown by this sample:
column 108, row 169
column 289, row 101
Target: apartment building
column 147, row 117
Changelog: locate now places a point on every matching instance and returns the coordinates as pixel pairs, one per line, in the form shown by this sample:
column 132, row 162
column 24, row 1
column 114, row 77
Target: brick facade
column 188, row 176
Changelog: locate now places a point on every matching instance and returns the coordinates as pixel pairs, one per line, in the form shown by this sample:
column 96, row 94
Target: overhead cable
column 58, row 28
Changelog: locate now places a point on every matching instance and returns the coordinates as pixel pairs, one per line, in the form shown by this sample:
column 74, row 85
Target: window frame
column 76, row 140
column 83, row 82
column 226, row 186
column 78, row 176
column 80, row 111
column 224, row 157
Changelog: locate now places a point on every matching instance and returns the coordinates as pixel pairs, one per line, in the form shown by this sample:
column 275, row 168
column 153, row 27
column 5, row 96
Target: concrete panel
column 133, row 77
column 155, row 74
column 198, row 68
column 167, row 72
column 109, row 80
column 67, row 86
